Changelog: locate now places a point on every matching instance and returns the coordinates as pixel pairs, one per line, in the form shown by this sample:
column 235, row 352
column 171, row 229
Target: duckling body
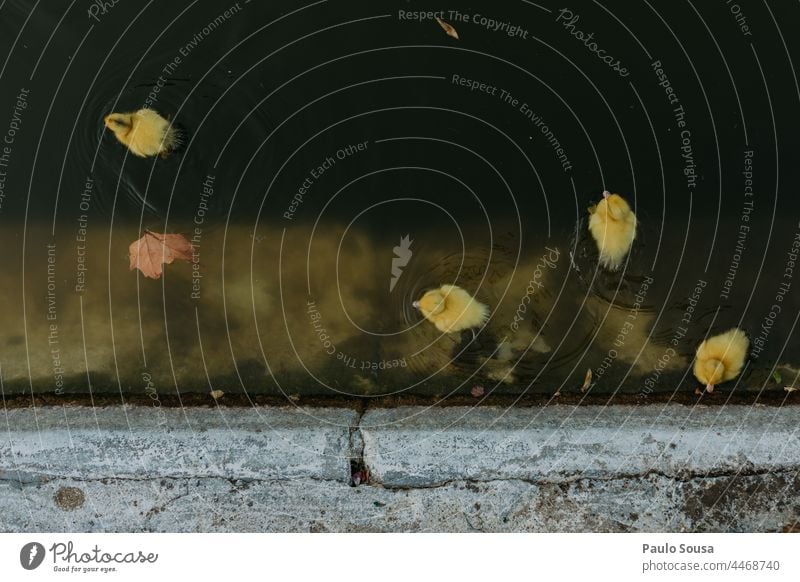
column 451, row 309
column 145, row 133
column 613, row 227
column 720, row 358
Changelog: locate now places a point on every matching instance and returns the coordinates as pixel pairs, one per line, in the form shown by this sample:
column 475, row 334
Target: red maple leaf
column 150, row 252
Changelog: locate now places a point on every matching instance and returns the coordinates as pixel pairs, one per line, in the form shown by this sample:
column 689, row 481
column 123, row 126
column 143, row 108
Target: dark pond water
column 318, row 135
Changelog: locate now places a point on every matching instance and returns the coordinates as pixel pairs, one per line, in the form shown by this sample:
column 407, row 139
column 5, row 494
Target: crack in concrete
column 678, row 477
column 34, row 480
column 153, row 511
column 184, row 480
column 356, row 446
column 22, row 478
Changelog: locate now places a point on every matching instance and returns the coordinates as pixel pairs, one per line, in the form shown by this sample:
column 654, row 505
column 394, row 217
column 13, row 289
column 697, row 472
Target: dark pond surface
column 486, row 152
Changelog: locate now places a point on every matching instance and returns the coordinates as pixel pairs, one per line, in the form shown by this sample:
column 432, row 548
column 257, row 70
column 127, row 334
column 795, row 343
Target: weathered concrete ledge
column 559, row 468
column 147, row 442
column 411, row 447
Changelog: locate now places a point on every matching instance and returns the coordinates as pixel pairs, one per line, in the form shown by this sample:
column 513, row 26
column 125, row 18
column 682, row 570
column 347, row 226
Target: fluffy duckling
column 451, row 309
column 721, row 358
column 613, row 226
column 144, row 132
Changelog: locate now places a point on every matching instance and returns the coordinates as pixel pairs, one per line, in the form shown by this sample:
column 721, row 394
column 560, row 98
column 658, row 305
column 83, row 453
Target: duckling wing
column 735, row 345
column 462, row 311
column 614, row 238
column 147, row 137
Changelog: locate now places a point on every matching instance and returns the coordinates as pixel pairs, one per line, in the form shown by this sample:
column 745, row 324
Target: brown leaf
column 451, row 32
column 154, row 249
column 477, row 391
column 587, row 380
column 217, row 394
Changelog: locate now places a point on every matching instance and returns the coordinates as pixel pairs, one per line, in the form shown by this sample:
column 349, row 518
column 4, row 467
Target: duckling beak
column 606, row 193
column 415, row 305
column 709, row 387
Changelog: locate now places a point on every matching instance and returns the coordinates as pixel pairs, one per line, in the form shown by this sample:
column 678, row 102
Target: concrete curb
column 559, row 468
column 150, row 443
column 408, row 447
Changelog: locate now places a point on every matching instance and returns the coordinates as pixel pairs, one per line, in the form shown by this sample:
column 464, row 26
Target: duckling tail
column 173, row 139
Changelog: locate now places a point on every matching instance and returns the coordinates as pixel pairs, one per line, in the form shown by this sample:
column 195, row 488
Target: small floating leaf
column 451, row 32
column 477, row 391
column 587, row 380
column 217, row 394
column 154, row 249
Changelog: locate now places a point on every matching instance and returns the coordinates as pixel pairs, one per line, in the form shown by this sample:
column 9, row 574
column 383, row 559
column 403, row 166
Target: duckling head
column 119, row 123
column 432, row 303
column 613, row 206
column 711, row 372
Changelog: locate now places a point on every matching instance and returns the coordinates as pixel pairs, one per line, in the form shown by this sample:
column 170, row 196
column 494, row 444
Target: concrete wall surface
column 555, row 468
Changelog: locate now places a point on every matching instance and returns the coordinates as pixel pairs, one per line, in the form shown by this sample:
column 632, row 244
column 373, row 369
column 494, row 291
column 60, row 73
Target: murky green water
column 320, row 135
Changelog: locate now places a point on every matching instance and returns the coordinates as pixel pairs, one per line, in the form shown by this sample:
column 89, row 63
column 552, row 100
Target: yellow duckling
column 144, row 132
column 721, row 358
column 613, row 226
column 451, row 309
